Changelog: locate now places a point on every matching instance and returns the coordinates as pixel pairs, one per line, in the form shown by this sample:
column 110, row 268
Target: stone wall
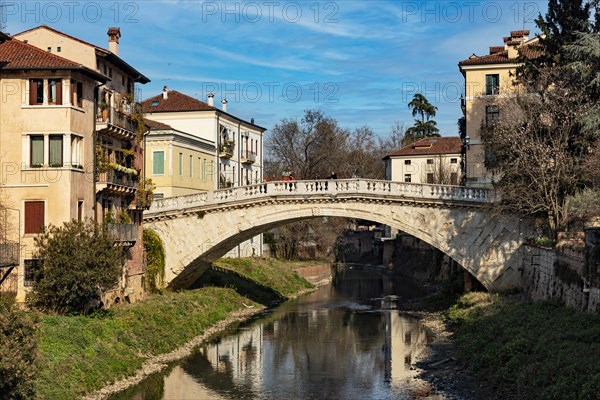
column 546, row 276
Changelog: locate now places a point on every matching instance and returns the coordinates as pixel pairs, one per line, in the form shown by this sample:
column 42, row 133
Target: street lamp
column 466, row 141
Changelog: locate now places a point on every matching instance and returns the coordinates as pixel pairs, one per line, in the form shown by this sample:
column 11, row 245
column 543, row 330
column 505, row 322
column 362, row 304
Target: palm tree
column 425, row 127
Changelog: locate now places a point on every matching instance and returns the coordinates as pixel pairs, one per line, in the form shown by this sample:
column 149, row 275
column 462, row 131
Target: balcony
column 123, row 233
column 117, row 122
column 226, row 150
column 248, row 158
column 117, row 181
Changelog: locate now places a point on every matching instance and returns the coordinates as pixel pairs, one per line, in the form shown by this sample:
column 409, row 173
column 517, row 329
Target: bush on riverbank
column 531, row 350
column 81, row 354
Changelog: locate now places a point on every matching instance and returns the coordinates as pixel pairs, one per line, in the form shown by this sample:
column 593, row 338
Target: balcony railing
column 249, row 158
column 118, row 117
column 226, row 151
column 123, row 232
column 118, row 178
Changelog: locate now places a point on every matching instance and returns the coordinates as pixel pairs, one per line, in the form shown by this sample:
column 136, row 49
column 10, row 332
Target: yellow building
column 178, row 163
column 117, row 146
column 46, row 146
column 488, row 78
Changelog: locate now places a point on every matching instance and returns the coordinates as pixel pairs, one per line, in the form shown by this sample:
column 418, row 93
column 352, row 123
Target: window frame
column 27, row 224
column 407, row 178
column 34, row 95
column 492, row 88
column 30, row 267
column 31, row 158
column 59, row 98
column 154, row 152
column 492, row 115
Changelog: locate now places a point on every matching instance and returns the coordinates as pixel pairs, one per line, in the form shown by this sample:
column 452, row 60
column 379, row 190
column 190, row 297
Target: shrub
column 155, row 251
column 18, row 347
column 79, row 262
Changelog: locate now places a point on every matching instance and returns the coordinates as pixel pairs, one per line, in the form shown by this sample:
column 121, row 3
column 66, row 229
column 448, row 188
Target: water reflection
column 344, row 341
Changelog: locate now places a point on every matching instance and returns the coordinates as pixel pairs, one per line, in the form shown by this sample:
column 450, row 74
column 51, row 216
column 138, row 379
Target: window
column 55, row 91
column 430, row 161
column 454, row 161
column 36, row 151
column 36, row 91
column 49, row 49
column 430, row 178
column 454, row 178
column 407, row 178
column 158, row 163
column 110, row 72
column 58, row 49
column 29, row 271
column 76, row 151
column 56, row 151
column 492, row 115
column 34, row 216
column 77, row 93
column 155, row 103
column 80, row 210
column 406, row 162
column 492, row 84
column 191, row 166
column 180, row 164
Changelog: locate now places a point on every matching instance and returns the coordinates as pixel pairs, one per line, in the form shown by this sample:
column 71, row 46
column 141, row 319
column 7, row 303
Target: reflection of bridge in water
column 200, row 228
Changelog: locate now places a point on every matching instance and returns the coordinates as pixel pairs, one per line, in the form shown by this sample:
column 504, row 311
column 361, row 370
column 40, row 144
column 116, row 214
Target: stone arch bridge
column 200, row 228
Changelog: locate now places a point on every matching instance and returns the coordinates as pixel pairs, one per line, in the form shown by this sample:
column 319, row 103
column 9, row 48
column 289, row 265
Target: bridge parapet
column 325, row 187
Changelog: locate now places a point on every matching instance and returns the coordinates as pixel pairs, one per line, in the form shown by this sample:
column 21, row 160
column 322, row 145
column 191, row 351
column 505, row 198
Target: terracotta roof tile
column 431, row 146
column 519, row 34
column 15, row 54
column 174, row 102
column 496, row 49
column 529, row 51
column 158, row 126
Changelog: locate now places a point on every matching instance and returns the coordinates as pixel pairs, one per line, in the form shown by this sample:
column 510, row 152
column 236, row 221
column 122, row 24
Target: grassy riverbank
column 80, row 354
column 529, row 350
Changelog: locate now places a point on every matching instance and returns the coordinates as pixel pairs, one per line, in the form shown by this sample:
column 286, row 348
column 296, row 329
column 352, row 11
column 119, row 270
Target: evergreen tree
column 425, row 126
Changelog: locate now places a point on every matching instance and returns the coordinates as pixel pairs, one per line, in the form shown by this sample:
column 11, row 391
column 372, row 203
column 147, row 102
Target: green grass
column 81, row 354
column 275, row 274
column 532, row 350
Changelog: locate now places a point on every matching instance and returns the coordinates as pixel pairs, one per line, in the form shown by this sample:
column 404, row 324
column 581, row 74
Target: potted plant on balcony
column 103, row 109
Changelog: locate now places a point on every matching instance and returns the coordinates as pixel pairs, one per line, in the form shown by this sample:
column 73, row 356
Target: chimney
column 211, row 99
column 224, row 103
column 252, row 121
column 165, row 93
column 114, row 34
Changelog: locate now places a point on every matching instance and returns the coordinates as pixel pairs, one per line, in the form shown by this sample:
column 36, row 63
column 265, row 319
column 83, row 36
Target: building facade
column 194, row 146
column 433, row 160
column 116, row 147
column 46, row 146
column 487, row 79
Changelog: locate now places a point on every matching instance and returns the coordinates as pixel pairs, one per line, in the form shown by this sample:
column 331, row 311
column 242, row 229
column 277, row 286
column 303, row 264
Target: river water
column 347, row 340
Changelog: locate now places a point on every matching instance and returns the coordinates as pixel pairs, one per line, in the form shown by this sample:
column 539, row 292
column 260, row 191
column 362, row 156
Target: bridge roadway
column 198, row 229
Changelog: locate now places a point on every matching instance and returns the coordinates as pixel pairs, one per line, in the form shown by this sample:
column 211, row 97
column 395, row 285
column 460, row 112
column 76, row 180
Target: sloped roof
column 100, row 51
column 430, row 146
column 156, row 125
column 528, row 51
column 175, row 102
column 17, row 55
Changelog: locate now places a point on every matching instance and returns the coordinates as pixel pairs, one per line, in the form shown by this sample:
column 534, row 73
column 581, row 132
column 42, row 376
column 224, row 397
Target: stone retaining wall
column 546, row 277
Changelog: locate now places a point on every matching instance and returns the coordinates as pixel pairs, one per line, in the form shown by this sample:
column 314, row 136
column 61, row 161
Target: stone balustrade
column 342, row 187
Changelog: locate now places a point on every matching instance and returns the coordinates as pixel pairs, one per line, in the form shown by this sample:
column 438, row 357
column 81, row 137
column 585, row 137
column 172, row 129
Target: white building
column 433, row 160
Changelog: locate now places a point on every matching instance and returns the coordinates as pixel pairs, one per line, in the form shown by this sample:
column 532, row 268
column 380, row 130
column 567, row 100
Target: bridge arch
column 198, row 230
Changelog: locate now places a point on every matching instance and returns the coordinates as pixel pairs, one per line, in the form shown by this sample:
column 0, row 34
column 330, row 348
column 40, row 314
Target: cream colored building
column 46, row 145
column 118, row 143
column 488, row 78
column 433, row 160
column 195, row 146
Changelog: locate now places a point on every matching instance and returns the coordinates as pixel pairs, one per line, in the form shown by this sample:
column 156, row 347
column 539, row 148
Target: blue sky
column 358, row 61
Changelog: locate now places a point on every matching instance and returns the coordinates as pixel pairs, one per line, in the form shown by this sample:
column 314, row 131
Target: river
column 347, row 340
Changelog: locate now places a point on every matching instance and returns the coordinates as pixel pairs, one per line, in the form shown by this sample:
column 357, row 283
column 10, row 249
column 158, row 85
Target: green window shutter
column 158, row 163
column 37, row 151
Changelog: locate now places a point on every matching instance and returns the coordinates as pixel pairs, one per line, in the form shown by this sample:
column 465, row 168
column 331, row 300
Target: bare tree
column 537, row 148
column 441, row 172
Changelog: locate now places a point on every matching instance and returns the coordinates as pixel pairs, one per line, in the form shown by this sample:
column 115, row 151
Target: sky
column 360, row 62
